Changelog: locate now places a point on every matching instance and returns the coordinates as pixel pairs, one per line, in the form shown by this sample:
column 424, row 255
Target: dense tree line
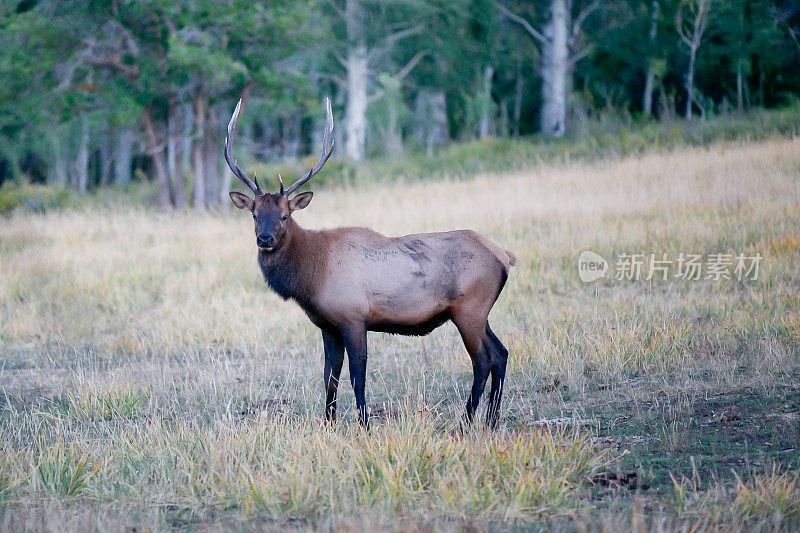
column 94, row 92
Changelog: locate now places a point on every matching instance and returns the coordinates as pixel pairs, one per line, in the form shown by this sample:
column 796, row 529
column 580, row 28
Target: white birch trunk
column 356, row 112
column 555, row 68
column 82, row 161
column 357, row 65
column 58, row 174
column 123, row 156
column 649, row 82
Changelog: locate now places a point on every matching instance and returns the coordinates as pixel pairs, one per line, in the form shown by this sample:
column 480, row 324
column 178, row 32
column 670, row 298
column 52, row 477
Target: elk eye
column 284, row 217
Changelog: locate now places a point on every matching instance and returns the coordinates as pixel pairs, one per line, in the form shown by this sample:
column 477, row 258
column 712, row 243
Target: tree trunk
column 690, row 84
column 518, row 88
column 740, row 81
column 82, row 160
column 430, row 117
column 357, row 77
column 393, row 137
column 555, row 67
column 356, row 113
column 197, row 153
column 156, row 151
column 105, row 160
column 650, row 78
column 739, row 88
column 394, row 143
column 58, row 174
column 485, row 123
column 225, row 174
column 211, row 146
column 174, row 162
column 123, row 156
column 187, row 125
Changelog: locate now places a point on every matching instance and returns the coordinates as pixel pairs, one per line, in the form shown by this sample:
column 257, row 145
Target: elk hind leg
column 499, row 358
column 472, row 331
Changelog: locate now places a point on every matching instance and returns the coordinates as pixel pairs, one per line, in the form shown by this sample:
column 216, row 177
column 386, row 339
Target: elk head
column 272, row 211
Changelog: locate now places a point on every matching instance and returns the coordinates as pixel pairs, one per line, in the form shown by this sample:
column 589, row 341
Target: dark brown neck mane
column 295, row 269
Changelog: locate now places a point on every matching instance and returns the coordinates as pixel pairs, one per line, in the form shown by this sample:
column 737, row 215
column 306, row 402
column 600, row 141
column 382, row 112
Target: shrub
column 32, row 197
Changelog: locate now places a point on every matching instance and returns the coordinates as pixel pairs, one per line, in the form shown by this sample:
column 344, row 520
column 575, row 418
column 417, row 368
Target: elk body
column 353, row 280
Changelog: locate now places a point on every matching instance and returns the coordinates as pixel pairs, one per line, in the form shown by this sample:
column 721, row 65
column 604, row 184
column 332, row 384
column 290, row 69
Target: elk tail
column 512, row 259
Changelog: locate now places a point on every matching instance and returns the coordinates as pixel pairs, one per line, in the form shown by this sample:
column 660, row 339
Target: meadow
column 150, row 380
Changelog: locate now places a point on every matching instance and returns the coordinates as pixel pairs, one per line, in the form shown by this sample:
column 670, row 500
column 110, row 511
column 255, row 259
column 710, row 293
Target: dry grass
column 147, row 376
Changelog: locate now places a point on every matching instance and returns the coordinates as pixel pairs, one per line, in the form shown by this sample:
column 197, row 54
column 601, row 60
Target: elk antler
column 327, row 149
column 232, row 163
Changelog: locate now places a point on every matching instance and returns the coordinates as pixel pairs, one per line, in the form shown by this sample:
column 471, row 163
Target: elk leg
column 472, row 335
column 334, row 357
column 480, row 369
column 498, row 371
column 355, row 340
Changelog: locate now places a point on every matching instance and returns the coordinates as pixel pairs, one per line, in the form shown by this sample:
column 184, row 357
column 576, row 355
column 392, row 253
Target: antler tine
column 280, row 179
column 232, row 163
column 327, row 150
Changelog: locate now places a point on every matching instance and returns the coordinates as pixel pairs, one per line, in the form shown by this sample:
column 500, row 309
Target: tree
column 691, row 22
column 372, row 30
column 561, row 47
column 652, row 62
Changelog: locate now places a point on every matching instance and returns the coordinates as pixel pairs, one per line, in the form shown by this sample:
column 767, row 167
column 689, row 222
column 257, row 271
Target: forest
column 105, row 93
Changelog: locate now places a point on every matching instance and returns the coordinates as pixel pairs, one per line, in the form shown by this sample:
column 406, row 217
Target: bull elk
column 353, row 280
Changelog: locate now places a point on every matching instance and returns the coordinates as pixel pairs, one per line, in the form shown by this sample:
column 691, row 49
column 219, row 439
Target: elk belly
column 409, row 302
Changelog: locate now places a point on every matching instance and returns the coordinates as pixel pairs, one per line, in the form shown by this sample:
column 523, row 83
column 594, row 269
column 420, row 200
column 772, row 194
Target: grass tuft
column 10, row 478
column 64, row 470
column 768, row 495
column 118, row 402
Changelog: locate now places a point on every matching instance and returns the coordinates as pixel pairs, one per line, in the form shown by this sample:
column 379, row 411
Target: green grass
column 149, row 380
column 120, row 402
column 63, row 470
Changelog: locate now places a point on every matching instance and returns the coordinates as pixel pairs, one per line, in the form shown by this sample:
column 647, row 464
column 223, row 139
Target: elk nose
column 265, row 241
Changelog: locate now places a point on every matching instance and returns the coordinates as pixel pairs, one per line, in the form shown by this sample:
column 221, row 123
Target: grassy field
column 149, row 379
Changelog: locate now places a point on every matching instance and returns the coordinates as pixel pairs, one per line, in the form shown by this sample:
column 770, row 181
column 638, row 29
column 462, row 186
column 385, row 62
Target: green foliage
column 603, row 138
column 108, row 64
column 38, row 198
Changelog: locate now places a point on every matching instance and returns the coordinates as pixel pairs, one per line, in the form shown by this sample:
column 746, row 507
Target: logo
column 591, row 266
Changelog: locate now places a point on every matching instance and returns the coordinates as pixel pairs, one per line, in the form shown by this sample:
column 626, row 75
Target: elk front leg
column 334, row 357
column 355, row 340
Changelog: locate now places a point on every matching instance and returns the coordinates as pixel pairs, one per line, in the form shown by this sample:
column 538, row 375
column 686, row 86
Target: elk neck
column 296, row 268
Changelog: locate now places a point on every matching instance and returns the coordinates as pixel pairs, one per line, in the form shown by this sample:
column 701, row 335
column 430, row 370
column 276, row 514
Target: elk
column 353, row 280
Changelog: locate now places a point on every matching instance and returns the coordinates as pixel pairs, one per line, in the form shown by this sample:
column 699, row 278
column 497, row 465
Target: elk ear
column 242, row 201
column 300, row 201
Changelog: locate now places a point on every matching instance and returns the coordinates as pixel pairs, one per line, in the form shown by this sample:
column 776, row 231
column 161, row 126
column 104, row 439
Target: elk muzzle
column 265, row 241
